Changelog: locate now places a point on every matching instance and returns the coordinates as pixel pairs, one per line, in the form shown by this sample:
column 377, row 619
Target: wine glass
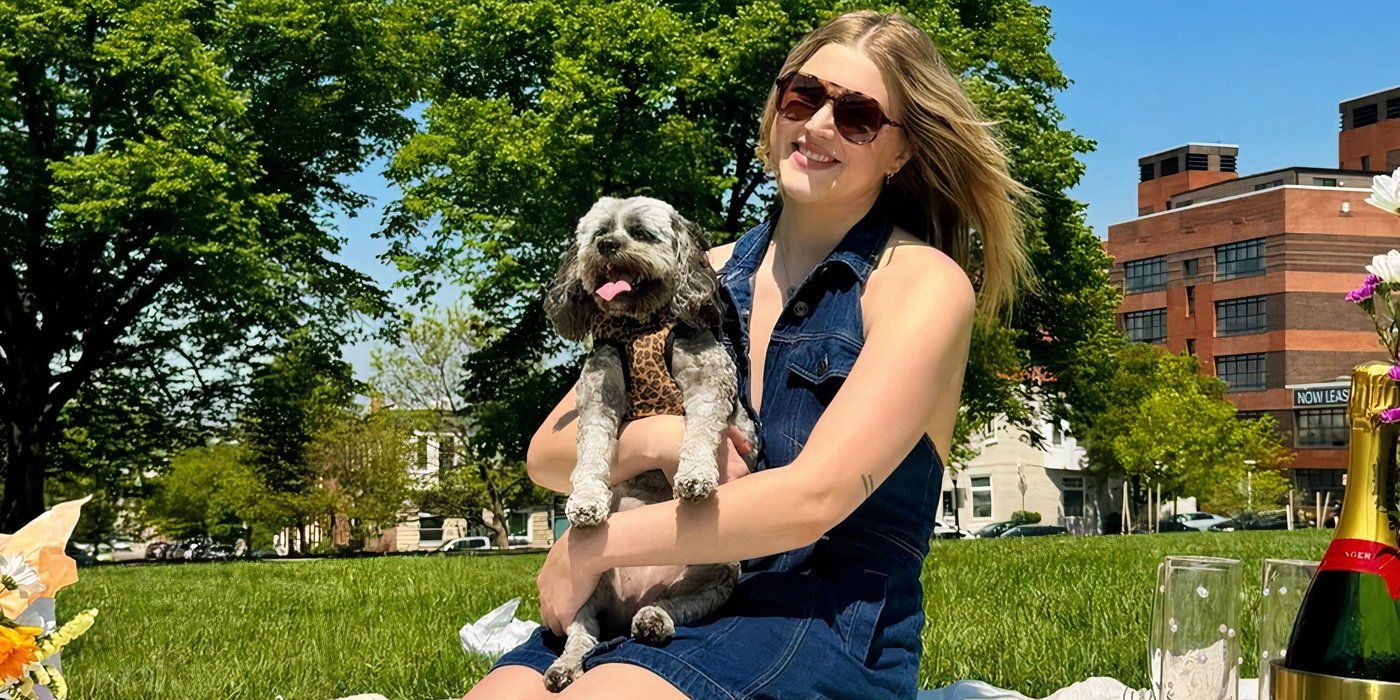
column 1284, row 583
column 1193, row 636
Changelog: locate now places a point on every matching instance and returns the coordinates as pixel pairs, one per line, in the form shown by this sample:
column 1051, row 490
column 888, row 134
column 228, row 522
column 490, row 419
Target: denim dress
column 841, row 618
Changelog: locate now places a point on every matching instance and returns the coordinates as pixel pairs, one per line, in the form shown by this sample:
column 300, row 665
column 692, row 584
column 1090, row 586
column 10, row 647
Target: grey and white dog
column 638, row 258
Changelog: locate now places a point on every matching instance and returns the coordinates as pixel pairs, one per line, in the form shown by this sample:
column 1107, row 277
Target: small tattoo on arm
column 868, row 483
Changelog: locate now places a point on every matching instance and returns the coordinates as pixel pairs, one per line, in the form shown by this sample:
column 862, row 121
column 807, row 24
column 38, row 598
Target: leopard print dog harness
column 645, row 348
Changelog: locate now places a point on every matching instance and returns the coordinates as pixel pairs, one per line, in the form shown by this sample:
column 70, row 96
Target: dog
column 635, row 278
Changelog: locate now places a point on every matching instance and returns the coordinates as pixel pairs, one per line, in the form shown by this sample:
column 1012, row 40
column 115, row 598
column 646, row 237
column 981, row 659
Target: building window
column 447, row 453
column 1365, row 115
column 1191, row 267
column 1240, row 316
column 1227, row 164
column 1184, row 203
column 1191, row 301
column 1191, row 347
column 1365, row 162
column 1169, row 166
column 1241, row 372
column 430, row 529
column 1197, row 161
column 1146, row 326
column 1239, row 259
column 1392, row 108
column 982, row 497
column 1072, row 496
column 1312, row 481
column 947, row 504
column 1392, row 160
column 1267, row 185
column 1145, row 275
column 1321, row 427
column 1145, row 172
column 1325, row 181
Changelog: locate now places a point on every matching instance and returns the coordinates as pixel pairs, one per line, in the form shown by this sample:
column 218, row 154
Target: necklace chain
column 782, row 260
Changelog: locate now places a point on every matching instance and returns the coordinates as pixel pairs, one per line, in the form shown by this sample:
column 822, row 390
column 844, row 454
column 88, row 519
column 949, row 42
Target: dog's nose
column 608, row 246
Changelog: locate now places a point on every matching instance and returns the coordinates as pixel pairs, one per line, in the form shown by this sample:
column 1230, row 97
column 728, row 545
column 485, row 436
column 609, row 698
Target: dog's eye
column 640, row 233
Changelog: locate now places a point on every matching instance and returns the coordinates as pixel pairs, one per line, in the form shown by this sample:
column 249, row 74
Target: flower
column 1385, row 192
column 1362, row 293
column 1389, row 415
column 40, row 544
column 17, row 649
column 1394, row 373
column 1386, row 267
column 16, row 575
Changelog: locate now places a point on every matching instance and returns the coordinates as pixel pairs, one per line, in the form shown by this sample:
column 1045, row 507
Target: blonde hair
column 955, row 192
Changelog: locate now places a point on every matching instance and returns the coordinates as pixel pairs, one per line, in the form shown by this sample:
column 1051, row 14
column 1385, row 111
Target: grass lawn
column 1032, row 615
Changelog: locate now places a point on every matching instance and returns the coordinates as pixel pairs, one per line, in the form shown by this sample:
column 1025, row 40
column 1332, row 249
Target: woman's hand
column 731, row 451
column 566, row 579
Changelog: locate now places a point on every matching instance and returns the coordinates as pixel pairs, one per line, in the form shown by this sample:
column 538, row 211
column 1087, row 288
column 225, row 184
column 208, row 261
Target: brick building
column 1248, row 274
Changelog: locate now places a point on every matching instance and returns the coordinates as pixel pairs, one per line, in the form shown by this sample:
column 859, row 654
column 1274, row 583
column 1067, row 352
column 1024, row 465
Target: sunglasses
column 858, row 116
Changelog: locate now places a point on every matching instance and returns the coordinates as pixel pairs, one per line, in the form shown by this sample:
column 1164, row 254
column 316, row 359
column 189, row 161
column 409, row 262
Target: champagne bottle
column 1349, row 623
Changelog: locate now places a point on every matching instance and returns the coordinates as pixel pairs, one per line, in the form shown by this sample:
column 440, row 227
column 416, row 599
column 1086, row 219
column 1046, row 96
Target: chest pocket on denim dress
column 816, row 368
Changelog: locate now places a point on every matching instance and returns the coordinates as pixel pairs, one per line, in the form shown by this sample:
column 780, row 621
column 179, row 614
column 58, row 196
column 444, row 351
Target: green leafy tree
column 167, row 180
column 539, row 108
column 1167, row 424
column 294, row 398
column 362, row 469
column 208, row 491
column 433, row 370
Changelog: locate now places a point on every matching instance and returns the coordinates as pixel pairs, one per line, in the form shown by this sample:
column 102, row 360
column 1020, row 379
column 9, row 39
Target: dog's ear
column 566, row 303
column 696, row 301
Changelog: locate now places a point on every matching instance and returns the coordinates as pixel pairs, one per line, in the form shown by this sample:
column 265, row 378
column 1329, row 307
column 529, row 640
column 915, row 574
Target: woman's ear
column 567, row 303
column 696, row 301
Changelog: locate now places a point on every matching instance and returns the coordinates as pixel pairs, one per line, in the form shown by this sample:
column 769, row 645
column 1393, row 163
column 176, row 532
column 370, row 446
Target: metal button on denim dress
column 837, row 619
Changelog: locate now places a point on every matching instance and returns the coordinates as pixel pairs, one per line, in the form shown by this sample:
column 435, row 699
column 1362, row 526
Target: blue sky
column 1149, row 76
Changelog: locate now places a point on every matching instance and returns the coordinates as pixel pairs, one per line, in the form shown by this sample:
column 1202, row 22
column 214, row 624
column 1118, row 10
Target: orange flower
column 17, row 648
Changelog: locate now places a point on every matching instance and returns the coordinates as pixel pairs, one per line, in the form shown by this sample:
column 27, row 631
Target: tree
column 168, row 171
column 296, row 397
column 539, row 108
column 362, row 468
column 1166, row 422
column 209, row 491
column 433, row 369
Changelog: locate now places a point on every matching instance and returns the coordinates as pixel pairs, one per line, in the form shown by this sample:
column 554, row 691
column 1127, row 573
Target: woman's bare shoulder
column 719, row 255
column 910, row 271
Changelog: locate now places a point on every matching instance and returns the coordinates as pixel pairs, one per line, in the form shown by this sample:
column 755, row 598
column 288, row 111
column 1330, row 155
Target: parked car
column 995, row 529
column 156, row 550
column 1166, row 526
column 1272, row 520
column 474, row 543
column 948, row 532
column 80, row 554
column 1199, row 521
column 1034, row 531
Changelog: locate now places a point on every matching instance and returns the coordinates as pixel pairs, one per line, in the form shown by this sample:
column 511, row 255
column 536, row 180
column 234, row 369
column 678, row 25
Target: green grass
column 1032, row 615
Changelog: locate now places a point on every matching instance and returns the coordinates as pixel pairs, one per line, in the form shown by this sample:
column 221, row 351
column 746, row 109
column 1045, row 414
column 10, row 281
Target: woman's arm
column 911, row 363
column 553, row 450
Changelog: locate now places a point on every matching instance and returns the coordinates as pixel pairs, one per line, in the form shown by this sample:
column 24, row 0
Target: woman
column 855, row 284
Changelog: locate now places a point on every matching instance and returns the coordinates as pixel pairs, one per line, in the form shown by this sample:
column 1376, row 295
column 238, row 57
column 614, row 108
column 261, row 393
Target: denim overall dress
column 841, row 618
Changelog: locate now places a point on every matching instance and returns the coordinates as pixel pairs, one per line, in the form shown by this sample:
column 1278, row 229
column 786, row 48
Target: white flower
column 1386, row 266
column 1385, row 192
column 17, row 575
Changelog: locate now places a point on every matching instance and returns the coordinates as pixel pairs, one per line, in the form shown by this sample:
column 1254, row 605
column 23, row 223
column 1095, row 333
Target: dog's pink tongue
column 612, row 289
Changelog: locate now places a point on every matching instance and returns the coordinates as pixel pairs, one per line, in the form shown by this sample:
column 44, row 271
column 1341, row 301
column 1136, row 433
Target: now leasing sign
column 1327, row 396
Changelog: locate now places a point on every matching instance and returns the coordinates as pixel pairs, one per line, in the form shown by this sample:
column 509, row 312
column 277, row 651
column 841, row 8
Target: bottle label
column 1364, row 557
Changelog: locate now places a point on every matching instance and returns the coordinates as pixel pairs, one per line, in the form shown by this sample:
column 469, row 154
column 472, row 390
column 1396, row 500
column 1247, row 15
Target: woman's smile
column 800, row 157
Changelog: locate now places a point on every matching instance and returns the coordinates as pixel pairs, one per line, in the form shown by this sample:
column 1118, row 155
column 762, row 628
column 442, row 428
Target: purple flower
column 1372, row 280
column 1394, row 373
column 1361, row 293
column 1389, row 415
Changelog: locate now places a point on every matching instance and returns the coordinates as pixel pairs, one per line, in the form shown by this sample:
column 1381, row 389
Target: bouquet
column 33, row 567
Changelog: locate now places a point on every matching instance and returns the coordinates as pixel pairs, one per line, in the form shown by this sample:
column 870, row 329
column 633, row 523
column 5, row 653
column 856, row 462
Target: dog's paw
column 694, row 485
column 558, row 676
column 588, row 507
column 653, row 625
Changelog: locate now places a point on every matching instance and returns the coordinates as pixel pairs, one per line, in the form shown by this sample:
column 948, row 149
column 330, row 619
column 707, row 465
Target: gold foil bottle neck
column 1372, row 391
column 1371, row 467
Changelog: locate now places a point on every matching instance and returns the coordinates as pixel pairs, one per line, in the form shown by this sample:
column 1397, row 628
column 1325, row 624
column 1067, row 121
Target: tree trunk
column 23, row 499
column 500, row 526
